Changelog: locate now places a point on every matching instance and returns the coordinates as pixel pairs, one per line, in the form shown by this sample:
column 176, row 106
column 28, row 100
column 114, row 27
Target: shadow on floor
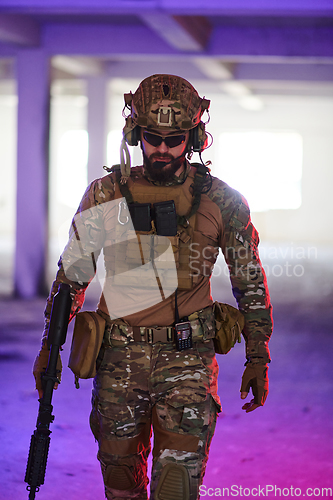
column 281, row 449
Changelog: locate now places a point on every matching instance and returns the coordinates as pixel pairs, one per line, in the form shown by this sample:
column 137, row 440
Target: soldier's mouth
column 159, row 161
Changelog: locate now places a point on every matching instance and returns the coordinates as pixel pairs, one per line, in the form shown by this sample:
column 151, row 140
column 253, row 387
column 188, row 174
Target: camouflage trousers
column 142, row 386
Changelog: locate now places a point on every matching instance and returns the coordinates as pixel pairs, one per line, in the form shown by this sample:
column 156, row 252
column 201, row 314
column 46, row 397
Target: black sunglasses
column 170, row 141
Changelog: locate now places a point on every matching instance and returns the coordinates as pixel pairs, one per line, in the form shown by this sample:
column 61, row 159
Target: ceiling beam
column 186, row 33
column 199, row 27
column 230, row 43
column 227, row 42
column 103, row 40
column 20, row 30
column 175, row 7
column 249, row 7
column 285, row 41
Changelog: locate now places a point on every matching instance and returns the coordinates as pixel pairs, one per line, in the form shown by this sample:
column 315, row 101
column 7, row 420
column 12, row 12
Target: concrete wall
column 313, row 119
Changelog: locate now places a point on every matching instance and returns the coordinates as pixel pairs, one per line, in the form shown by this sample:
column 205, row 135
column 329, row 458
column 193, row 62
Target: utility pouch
column 86, row 343
column 165, row 218
column 141, row 216
column 229, row 323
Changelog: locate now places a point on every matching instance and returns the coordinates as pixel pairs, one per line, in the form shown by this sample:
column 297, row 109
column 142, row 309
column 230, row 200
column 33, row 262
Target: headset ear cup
column 131, row 132
column 198, row 138
column 136, row 136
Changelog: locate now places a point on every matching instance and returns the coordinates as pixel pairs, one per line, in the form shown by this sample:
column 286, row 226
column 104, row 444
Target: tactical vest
column 193, row 254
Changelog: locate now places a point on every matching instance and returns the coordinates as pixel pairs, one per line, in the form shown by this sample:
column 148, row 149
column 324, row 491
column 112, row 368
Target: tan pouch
column 86, row 343
column 229, row 323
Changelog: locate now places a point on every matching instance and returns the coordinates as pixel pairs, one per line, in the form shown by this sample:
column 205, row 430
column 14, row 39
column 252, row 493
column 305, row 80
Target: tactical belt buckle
column 159, row 334
column 153, row 334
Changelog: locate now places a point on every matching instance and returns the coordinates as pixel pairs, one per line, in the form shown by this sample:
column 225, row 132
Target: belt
column 118, row 334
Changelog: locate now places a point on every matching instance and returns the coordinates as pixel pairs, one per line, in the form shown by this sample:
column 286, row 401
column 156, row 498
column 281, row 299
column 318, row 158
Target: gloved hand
column 40, row 366
column 255, row 376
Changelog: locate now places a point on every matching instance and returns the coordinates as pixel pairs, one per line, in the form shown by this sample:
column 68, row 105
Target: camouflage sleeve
column 79, row 272
column 239, row 244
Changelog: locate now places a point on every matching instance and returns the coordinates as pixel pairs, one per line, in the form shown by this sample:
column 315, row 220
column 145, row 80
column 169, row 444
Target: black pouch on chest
column 165, row 218
column 163, row 214
column 141, row 216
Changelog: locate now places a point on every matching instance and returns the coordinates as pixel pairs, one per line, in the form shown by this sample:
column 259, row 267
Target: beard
column 163, row 169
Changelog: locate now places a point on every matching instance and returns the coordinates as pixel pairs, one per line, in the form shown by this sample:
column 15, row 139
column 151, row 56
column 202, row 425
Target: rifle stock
column 40, row 439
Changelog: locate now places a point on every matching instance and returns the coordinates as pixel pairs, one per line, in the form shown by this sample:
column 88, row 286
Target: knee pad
column 119, row 477
column 173, row 483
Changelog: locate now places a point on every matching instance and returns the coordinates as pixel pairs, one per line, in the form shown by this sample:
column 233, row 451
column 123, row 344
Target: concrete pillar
column 32, row 172
column 97, row 90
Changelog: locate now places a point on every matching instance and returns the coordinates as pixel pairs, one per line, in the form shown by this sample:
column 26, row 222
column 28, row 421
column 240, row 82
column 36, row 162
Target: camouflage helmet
column 163, row 102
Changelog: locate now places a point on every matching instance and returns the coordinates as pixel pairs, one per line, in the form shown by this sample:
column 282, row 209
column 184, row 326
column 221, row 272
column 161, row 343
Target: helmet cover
column 165, row 102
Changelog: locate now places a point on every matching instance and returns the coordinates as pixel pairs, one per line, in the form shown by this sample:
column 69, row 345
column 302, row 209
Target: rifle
column 40, row 439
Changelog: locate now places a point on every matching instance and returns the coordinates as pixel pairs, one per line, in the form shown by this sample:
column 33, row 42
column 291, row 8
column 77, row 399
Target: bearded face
column 162, row 169
column 164, row 160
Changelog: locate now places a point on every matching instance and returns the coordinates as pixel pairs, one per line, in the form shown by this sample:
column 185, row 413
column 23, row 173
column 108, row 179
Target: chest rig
column 144, row 242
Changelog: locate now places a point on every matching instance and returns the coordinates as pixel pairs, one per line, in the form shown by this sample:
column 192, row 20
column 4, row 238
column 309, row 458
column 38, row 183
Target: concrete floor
column 283, row 448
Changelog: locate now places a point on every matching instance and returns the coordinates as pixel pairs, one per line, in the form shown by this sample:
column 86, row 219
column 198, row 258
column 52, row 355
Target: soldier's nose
column 162, row 148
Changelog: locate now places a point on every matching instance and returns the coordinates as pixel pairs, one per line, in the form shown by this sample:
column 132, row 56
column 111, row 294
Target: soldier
column 161, row 226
